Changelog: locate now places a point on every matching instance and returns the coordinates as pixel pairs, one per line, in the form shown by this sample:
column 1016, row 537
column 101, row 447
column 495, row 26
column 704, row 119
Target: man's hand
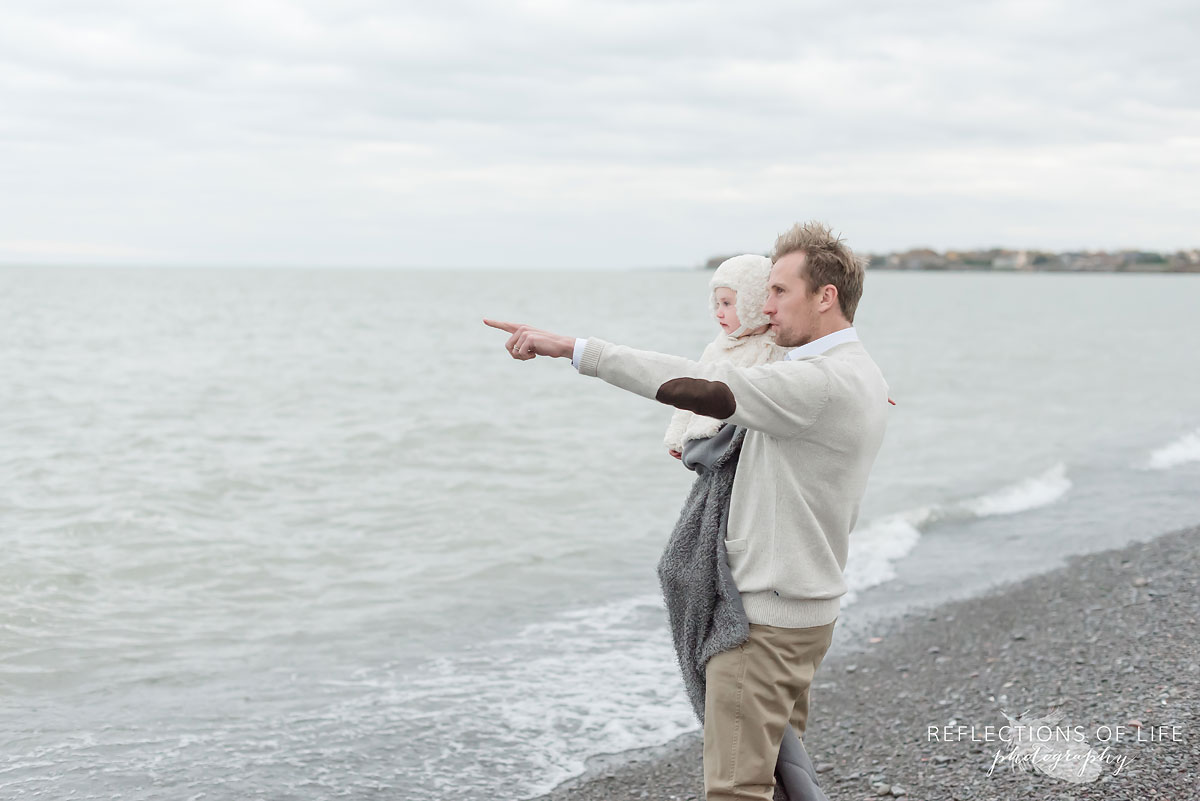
column 527, row 342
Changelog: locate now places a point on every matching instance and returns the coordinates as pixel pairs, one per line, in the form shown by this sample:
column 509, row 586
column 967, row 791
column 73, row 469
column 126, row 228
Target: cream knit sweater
column 815, row 426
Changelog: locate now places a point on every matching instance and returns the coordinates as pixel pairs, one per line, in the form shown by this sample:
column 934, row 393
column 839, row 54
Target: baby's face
column 727, row 309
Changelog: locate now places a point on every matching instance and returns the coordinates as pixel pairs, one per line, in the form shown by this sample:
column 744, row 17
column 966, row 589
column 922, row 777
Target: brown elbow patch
column 709, row 398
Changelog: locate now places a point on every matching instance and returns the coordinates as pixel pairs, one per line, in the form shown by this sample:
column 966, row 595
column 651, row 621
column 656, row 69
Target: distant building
column 1009, row 260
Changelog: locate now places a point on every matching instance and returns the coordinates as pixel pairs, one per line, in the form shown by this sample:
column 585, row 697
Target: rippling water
column 309, row 534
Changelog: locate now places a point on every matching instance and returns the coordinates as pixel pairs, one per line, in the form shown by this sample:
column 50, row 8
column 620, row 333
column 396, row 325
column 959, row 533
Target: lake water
column 305, row 534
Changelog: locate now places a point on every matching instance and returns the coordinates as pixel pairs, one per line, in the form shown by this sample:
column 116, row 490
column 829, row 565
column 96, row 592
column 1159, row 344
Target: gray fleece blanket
column 704, row 608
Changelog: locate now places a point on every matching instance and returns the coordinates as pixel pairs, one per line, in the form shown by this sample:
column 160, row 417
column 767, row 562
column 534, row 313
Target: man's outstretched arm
column 779, row 399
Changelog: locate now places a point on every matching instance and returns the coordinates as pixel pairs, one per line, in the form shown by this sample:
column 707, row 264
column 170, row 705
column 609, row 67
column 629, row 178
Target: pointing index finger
column 509, row 327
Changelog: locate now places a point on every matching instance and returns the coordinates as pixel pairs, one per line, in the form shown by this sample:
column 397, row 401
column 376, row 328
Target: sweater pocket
column 735, row 546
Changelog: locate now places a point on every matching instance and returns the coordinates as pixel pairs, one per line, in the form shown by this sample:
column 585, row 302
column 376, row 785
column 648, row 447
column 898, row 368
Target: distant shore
column 1004, row 260
column 1112, row 639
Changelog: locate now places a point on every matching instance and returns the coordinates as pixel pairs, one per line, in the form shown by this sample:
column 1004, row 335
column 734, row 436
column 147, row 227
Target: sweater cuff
column 589, row 360
column 577, row 351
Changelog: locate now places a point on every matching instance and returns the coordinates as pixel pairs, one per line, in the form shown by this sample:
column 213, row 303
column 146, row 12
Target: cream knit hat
column 747, row 276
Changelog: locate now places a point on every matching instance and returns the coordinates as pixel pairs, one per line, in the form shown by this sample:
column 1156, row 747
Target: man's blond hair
column 827, row 260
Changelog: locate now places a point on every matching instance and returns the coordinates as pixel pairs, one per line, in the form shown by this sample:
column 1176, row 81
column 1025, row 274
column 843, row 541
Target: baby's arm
column 674, row 437
column 682, row 417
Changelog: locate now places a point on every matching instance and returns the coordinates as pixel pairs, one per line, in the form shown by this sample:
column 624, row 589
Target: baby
column 738, row 292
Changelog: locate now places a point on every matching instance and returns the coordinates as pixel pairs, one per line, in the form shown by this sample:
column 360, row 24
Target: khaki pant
column 753, row 691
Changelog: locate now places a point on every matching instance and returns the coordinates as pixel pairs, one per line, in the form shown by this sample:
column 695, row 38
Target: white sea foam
column 596, row 680
column 875, row 548
column 1181, row 451
column 1032, row 493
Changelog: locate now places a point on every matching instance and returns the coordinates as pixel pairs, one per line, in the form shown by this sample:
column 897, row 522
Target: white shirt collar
column 819, row 346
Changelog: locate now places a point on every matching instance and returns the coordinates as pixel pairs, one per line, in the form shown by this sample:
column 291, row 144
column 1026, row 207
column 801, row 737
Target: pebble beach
column 1109, row 644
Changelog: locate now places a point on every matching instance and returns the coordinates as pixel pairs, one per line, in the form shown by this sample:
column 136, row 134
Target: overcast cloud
column 588, row 134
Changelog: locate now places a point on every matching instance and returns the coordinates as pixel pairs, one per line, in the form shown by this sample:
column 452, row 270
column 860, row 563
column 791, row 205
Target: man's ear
column 829, row 297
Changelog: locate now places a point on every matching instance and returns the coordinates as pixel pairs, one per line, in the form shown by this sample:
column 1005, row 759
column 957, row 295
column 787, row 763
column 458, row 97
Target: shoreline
column 1109, row 639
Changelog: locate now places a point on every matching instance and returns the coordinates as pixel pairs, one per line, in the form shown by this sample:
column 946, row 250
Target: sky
column 589, row 134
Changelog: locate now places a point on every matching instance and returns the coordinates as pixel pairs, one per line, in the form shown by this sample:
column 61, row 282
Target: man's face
column 791, row 308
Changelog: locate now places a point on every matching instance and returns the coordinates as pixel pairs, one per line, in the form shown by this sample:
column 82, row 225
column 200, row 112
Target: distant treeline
column 1093, row 261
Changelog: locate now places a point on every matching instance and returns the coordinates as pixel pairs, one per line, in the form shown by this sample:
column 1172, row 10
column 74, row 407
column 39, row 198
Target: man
column 814, row 426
